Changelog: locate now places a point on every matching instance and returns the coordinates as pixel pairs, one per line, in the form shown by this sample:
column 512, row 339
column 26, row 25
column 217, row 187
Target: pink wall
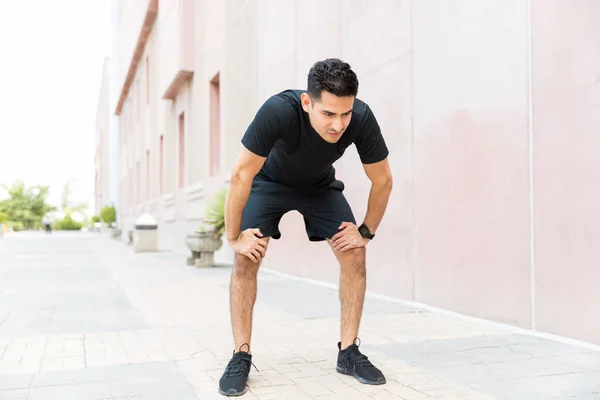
column 488, row 217
column 452, row 102
column 471, row 161
column 455, row 112
column 566, row 94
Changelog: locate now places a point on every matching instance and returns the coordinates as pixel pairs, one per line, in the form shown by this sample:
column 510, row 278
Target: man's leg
column 323, row 213
column 324, row 210
column 353, row 284
column 242, row 296
column 263, row 210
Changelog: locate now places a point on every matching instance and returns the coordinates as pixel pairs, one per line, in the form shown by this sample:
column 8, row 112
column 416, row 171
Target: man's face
column 330, row 115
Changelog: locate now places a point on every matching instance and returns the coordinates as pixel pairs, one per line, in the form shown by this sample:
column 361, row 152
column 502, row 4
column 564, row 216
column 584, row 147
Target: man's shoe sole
column 233, row 392
column 351, row 372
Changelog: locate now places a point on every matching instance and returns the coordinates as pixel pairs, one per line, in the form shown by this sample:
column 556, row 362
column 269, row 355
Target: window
column 137, row 183
column 161, row 164
column 215, row 126
column 147, row 174
column 131, row 188
column 181, row 150
column 138, row 100
column 147, row 79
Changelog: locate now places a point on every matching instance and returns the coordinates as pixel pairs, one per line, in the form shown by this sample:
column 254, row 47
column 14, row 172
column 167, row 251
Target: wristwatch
column 365, row 232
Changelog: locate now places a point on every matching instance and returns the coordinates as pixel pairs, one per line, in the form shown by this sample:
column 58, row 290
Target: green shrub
column 68, row 224
column 95, row 219
column 108, row 214
column 16, row 225
column 3, row 217
column 214, row 214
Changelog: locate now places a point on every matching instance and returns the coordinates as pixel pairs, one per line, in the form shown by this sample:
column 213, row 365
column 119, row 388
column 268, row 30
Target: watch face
column 364, row 231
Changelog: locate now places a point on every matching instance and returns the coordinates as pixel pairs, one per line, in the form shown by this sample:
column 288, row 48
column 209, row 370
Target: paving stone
column 70, row 377
column 128, row 372
column 80, row 391
column 322, row 302
column 142, row 385
column 14, row 394
column 83, row 317
column 15, row 381
column 169, row 396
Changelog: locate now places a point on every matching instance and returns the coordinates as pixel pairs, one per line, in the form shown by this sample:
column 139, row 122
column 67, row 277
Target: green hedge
column 68, row 224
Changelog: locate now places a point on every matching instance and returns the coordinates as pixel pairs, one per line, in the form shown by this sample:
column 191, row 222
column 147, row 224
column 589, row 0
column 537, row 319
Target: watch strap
column 365, row 232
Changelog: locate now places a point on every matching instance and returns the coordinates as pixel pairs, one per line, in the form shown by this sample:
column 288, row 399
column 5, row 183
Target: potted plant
column 205, row 240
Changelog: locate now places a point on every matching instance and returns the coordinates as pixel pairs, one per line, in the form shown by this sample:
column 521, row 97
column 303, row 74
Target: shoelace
column 362, row 360
column 359, row 358
column 237, row 366
column 239, row 363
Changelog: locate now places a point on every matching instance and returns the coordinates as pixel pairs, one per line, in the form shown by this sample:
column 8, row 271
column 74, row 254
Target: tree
column 69, row 207
column 26, row 205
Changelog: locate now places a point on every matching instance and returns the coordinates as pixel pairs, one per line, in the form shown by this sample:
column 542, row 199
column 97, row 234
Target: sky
column 51, row 56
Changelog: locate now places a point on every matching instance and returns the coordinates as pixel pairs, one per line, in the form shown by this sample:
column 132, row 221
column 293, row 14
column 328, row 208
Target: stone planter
column 145, row 236
column 203, row 247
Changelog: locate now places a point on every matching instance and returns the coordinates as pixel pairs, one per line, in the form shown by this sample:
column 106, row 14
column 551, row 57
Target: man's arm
column 246, row 167
column 381, row 186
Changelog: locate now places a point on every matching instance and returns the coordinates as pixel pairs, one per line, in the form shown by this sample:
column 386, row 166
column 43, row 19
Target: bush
column 108, row 214
column 95, row 219
column 214, row 214
column 68, row 224
column 16, row 225
column 3, row 217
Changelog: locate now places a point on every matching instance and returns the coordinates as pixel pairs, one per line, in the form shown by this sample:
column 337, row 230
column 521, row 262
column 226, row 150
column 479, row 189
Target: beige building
column 102, row 178
column 488, row 107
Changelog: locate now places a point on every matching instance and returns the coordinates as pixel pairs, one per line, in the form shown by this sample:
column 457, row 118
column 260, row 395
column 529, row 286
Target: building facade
column 102, row 159
column 488, row 109
column 106, row 189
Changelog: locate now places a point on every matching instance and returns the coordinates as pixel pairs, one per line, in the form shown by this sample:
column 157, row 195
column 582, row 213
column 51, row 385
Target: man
column 47, row 223
column 286, row 164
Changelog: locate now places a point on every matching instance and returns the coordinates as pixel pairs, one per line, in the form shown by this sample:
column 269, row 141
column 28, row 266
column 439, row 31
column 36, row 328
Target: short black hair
column 334, row 76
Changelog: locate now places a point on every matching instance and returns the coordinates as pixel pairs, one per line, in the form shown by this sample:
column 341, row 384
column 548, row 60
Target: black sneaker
column 233, row 381
column 352, row 362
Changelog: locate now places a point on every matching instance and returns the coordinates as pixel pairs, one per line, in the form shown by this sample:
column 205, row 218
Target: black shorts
column 323, row 208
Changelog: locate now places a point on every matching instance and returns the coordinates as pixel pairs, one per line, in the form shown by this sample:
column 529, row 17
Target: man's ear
column 305, row 98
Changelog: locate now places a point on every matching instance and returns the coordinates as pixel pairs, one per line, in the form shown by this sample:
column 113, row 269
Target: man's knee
column 243, row 266
column 354, row 259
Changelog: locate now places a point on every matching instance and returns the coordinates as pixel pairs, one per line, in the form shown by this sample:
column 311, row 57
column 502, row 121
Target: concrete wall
column 487, row 107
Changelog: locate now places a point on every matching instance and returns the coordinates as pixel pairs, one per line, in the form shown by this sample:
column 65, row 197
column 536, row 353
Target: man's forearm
column 237, row 196
column 377, row 204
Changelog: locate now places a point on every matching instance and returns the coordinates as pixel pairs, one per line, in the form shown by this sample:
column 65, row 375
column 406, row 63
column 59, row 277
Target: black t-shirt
column 296, row 155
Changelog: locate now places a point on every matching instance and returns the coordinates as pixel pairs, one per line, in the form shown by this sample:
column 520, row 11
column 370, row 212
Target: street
column 82, row 317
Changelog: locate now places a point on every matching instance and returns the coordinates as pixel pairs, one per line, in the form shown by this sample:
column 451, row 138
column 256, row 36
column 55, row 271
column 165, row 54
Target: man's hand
column 249, row 244
column 348, row 238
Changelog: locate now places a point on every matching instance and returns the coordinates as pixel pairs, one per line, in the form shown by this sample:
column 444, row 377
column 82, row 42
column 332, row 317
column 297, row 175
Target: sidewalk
column 84, row 318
